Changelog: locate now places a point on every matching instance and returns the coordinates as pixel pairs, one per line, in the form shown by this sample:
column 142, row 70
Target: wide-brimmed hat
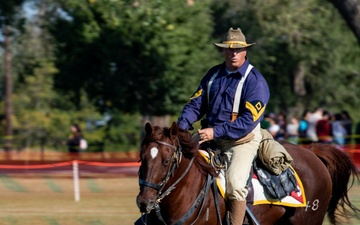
column 234, row 39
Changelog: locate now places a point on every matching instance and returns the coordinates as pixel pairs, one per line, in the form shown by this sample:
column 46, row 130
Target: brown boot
column 237, row 212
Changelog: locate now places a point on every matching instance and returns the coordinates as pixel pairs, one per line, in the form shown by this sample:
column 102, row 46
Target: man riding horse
column 233, row 96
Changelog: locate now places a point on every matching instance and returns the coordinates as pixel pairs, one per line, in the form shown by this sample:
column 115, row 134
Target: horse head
column 160, row 155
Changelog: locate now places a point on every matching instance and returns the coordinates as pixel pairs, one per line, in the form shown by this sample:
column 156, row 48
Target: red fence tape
column 61, row 164
column 353, row 152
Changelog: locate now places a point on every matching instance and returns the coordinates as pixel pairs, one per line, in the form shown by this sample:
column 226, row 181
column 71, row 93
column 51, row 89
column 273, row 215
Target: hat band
column 231, row 43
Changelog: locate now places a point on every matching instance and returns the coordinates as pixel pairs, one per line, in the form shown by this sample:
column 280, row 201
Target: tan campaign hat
column 234, row 39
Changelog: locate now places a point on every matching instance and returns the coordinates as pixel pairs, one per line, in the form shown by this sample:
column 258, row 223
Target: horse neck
column 179, row 200
column 190, row 180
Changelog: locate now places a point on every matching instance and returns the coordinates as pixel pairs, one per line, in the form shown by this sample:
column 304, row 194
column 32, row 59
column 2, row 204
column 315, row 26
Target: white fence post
column 76, row 180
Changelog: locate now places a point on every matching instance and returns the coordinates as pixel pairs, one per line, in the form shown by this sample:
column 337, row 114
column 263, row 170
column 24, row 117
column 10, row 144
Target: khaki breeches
column 239, row 159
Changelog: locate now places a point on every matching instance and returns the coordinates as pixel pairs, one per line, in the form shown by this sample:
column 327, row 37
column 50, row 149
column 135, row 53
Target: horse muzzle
column 145, row 204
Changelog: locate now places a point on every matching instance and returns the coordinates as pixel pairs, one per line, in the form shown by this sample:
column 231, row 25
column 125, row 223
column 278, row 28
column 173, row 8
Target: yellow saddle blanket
column 258, row 194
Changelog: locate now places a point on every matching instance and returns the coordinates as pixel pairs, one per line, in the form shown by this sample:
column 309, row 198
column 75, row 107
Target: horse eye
column 166, row 162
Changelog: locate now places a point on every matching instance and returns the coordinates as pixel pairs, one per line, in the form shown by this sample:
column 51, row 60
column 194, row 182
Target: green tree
column 41, row 116
column 136, row 58
column 306, row 52
column 8, row 11
column 34, row 100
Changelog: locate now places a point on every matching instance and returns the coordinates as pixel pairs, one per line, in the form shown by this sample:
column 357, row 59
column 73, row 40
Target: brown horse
column 175, row 183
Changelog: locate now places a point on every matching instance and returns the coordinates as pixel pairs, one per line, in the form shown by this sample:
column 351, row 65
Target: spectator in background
column 281, row 121
column 292, row 129
column 303, row 127
column 73, row 142
column 265, row 123
column 274, row 128
column 312, row 121
column 347, row 121
column 338, row 130
column 357, row 134
column 323, row 128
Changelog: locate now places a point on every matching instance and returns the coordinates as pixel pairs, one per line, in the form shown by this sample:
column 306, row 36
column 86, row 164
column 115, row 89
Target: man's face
column 234, row 57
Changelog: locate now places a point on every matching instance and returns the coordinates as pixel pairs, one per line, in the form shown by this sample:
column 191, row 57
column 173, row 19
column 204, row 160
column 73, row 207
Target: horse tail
column 342, row 171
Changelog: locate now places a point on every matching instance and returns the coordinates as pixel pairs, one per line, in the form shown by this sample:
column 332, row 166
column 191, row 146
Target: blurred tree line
column 112, row 64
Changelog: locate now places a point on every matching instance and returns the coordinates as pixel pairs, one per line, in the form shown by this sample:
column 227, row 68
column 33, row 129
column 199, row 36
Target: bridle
column 176, row 160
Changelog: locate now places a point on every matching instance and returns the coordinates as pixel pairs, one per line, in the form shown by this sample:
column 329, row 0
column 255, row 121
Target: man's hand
column 206, row 134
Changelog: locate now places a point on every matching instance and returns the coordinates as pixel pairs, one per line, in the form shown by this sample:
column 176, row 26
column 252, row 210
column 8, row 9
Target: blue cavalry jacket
column 218, row 108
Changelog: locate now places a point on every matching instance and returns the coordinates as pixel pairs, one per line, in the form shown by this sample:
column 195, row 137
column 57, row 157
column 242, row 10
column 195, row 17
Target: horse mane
column 189, row 146
column 154, row 136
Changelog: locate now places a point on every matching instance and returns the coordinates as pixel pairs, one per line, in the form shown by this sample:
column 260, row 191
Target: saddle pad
column 220, row 180
column 295, row 199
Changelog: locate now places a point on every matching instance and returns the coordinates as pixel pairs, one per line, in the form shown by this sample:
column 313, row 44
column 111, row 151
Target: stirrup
column 216, row 160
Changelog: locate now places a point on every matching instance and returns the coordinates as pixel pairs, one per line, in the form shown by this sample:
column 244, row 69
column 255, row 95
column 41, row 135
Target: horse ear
column 174, row 129
column 148, row 128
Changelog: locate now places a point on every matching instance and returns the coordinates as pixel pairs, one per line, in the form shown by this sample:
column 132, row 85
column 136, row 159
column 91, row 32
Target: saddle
column 275, row 185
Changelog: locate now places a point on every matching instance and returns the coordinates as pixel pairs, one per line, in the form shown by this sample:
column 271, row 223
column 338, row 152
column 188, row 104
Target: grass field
column 50, row 201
